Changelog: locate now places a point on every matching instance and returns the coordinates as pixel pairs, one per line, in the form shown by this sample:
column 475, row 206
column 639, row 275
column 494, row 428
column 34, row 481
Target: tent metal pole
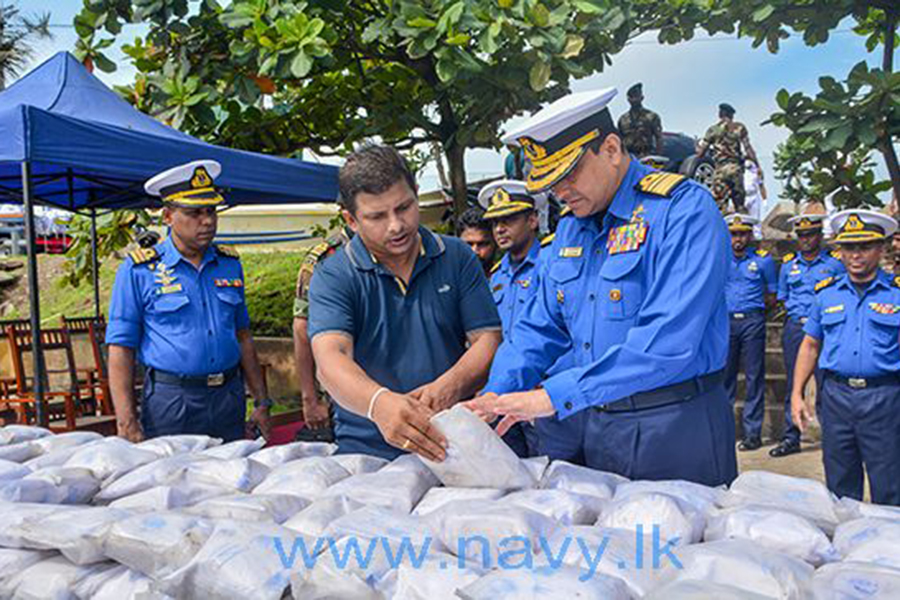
column 95, row 264
column 40, row 371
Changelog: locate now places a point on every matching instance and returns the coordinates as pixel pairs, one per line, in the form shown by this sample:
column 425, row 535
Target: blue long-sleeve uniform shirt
column 180, row 318
column 860, row 333
column 798, row 279
column 750, row 278
column 640, row 310
column 513, row 286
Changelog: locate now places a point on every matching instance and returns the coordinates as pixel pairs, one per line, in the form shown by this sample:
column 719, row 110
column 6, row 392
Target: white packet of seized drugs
column 476, row 456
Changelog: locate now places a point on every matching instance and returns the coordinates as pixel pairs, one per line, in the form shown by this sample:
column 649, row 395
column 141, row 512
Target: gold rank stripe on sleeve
column 824, row 283
column 788, row 257
column 143, row 255
column 660, row 183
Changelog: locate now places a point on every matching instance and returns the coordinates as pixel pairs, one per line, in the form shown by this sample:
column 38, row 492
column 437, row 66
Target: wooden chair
column 95, row 379
column 7, row 377
column 62, row 403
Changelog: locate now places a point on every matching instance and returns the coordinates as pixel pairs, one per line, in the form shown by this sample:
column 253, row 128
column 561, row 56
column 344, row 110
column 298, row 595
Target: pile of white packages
column 187, row 517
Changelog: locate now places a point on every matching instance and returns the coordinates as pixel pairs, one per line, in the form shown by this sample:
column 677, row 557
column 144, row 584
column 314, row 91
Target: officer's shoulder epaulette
column 565, row 211
column 143, row 255
column 835, row 254
column 547, row 239
column 227, row 251
column 660, row 183
column 897, row 281
column 762, row 253
column 496, row 266
column 788, row 257
column 317, row 251
column 824, row 283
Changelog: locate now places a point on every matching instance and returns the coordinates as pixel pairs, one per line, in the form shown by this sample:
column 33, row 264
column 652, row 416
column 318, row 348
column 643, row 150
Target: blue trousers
column 562, row 439
column 747, row 348
column 861, row 427
column 692, row 440
column 791, row 338
column 168, row 409
column 522, row 438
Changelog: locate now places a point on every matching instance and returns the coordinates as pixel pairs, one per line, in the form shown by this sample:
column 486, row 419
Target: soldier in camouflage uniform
column 729, row 142
column 316, row 407
column 640, row 127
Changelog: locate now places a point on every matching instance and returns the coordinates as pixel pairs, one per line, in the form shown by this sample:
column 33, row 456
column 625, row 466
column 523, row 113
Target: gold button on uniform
column 615, row 295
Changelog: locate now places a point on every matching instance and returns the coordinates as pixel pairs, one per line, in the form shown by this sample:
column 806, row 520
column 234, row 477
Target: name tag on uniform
column 834, row 309
column 570, row 252
column 229, row 283
column 170, row 289
column 627, row 238
column 884, row 309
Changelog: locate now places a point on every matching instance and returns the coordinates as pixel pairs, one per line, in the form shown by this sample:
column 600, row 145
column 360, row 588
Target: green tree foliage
column 17, row 34
column 115, row 231
column 281, row 75
column 848, row 119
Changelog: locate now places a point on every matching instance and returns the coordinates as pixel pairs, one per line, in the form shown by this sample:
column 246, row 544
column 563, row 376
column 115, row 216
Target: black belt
column 863, row 382
column 195, row 381
column 745, row 314
column 670, row 394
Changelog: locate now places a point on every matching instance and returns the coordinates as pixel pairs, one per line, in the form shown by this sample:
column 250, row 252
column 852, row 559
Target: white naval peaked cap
column 739, row 222
column 556, row 136
column 504, row 198
column 859, row 225
column 190, row 184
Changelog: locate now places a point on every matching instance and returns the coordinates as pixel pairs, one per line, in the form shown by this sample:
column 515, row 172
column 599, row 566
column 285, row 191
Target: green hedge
column 269, row 281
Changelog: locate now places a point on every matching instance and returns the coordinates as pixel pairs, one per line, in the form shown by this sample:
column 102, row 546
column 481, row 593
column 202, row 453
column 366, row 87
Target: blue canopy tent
column 70, row 142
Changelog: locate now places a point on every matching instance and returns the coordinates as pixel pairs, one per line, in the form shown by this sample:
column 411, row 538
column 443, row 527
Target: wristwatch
column 264, row 403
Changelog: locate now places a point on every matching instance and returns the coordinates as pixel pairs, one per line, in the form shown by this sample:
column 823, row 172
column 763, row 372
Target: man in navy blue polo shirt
column 401, row 320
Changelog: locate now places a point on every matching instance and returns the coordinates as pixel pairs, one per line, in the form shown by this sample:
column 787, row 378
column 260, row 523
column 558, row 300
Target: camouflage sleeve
column 304, row 276
column 657, row 124
column 709, row 137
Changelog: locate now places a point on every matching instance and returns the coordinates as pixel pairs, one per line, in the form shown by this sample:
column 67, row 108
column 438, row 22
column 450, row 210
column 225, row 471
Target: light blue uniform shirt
column 750, row 278
column 180, row 318
column 513, row 285
column 860, row 334
column 798, row 278
column 634, row 320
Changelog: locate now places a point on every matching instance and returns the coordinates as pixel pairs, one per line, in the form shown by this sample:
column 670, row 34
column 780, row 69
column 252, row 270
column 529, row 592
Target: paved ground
column 806, row 464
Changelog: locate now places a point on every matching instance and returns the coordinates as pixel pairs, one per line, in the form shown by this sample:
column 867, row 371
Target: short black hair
column 372, row 169
column 473, row 218
column 636, row 89
column 726, row 110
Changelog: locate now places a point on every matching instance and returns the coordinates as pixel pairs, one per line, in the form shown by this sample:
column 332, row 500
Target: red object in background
column 54, row 245
column 285, row 434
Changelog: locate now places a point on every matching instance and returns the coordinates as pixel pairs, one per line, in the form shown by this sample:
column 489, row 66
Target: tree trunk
column 456, row 155
column 887, row 147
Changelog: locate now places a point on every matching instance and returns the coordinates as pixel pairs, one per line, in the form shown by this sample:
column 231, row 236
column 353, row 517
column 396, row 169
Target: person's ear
column 167, row 215
column 350, row 220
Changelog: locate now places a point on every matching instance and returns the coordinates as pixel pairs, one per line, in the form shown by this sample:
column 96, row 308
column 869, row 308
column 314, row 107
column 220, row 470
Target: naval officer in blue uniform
column 513, row 215
column 800, row 273
column 752, row 284
column 853, row 332
column 179, row 309
column 633, row 286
